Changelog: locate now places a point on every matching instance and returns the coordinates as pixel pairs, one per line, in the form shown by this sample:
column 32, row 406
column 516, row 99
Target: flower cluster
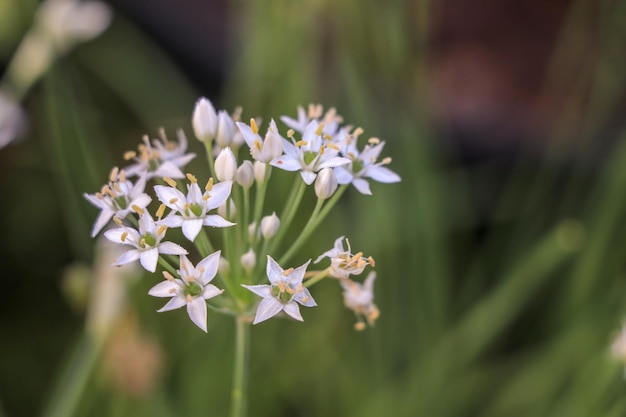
column 229, row 212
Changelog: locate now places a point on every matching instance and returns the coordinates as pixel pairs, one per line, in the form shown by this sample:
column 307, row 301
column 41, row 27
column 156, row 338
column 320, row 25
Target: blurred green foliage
column 501, row 286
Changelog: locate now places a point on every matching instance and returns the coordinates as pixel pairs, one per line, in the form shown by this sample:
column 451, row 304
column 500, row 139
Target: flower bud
column 226, row 165
column 230, row 213
column 204, row 120
column 259, row 172
column 273, row 144
column 248, row 260
column 269, row 225
column 223, row 267
column 325, row 183
column 245, row 174
column 225, row 129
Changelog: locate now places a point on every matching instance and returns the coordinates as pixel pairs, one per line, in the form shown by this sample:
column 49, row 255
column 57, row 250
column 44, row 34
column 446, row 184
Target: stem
column 287, row 215
column 240, row 368
column 204, row 244
column 165, row 264
column 316, row 278
column 209, row 156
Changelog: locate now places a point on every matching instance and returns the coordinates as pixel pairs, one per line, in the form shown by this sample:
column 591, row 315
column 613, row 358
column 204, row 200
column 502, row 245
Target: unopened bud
column 204, row 120
column 245, row 174
column 325, row 183
column 259, row 172
column 223, row 267
column 226, row 165
column 227, row 212
column 248, row 260
column 269, row 225
column 225, row 129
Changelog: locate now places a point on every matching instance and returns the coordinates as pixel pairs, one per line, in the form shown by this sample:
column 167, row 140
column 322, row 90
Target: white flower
column 331, row 119
column 325, row 184
column 146, row 241
column 225, row 134
column 270, row 225
column 363, row 165
column 190, row 212
column 248, row 260
column 245, row 174
column 192, row 289
column 314, row 152
column 360, row 299
column 226, row 165
column 118, row 198
column 160, row 158
column 262, row 150
column 204, row 120
column 342, row 262
column 67, row 22
column 284, row 292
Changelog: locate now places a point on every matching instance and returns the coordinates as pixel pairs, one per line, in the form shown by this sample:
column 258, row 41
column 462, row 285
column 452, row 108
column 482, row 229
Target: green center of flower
column 153, row 164
column 147, row 239
column 309, row 156
column 282, row 296
column 357, row 166
column 121, row 202
column 196, row 209
column 193, row 289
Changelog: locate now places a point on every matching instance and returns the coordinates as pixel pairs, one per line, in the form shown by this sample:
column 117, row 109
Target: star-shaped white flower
column 314, row 152
column 146, row 242
column 192, row 289
column 330, row 119
column 342, row 262
column 262, row 150
column 360, row 299
column 364, row 165
column 190, row 212
column 160, row 158
column 284, row 292
column 118, row 198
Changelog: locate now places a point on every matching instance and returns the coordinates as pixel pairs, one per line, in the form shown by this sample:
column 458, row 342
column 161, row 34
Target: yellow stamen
column 189, row 298
column 162, row 134
column 117, row 188
column 124, row 236
column 322, row 149
column 254, row 127
column 327, row 136
column 236, row 116
column 301, row 143
column 287, row 271
column 142, row 242
column 161, row 229
column 332, row 146
column 137, row 209
column 122, row 176
column 373, row 141
column 201, row 269
column 206, row 197
column 161, row 211
column 209, row 184
column 173, row 200
column 281, row 286
column 290, row 133
column 359, row 326
column 371, row 261
column 113, row 175
column 257, row 144
column 357, row 132
column 319, row 129
column 168, row 276
column 99, row 196
column 387, row 160
column 192, row 178
column 117, row 221
column 170, row 182
column 172, row 291
column 128, row 155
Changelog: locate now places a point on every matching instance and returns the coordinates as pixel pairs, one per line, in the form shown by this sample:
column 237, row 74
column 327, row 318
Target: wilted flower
column 360, row 299
column 342, row 262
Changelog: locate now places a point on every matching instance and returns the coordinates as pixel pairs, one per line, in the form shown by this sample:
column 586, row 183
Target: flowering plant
column 324, row 153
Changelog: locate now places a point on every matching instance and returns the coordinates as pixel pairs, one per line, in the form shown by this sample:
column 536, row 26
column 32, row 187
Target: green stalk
column 288, row 213
column 209, row 156
column 240, row 368
column 165, row 264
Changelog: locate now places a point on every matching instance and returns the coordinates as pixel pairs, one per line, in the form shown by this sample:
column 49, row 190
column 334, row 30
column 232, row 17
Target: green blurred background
column 499, row 256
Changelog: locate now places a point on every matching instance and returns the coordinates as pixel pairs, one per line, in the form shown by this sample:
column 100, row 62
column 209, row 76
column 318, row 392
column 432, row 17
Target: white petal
column 344, row 175
column 362, row 186
column 168, row 194
column 127, row 257
column 191, row 228
column 141, row 201
column 260, row 290
column 308, row 177
column 197, row 312
column 305, row 298
column 98, row 202
column 169, row 169
column 382, row 174
column 268, row 307
column 273, row 270
column 149, row 258
column 172, row 220
column 211, row 291
column 293, row 310
column 287, row 163
column 248, row 134
column 209, row 267
column 102, row 220
column 214, row 220
column 219, row 194
column 176, row 302
column 334, row 162
column 115, row 235
column 170, row 248
column 298, row 273
column 165, row 289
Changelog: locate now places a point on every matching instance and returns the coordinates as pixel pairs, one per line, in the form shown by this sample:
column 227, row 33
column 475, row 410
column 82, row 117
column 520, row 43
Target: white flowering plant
column 240, row 269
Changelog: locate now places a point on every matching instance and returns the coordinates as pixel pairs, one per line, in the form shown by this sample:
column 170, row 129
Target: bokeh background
column 500, row 256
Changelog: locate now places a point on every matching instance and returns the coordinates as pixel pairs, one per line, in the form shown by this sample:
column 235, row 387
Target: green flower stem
column 260, row 196
column 204, row 244
column 316, row 218
column 240, row 368
column 209, row 156
column 245, row 215
column 305, row 234
column 288, row 213
column 165, row 264
column 315, row 279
